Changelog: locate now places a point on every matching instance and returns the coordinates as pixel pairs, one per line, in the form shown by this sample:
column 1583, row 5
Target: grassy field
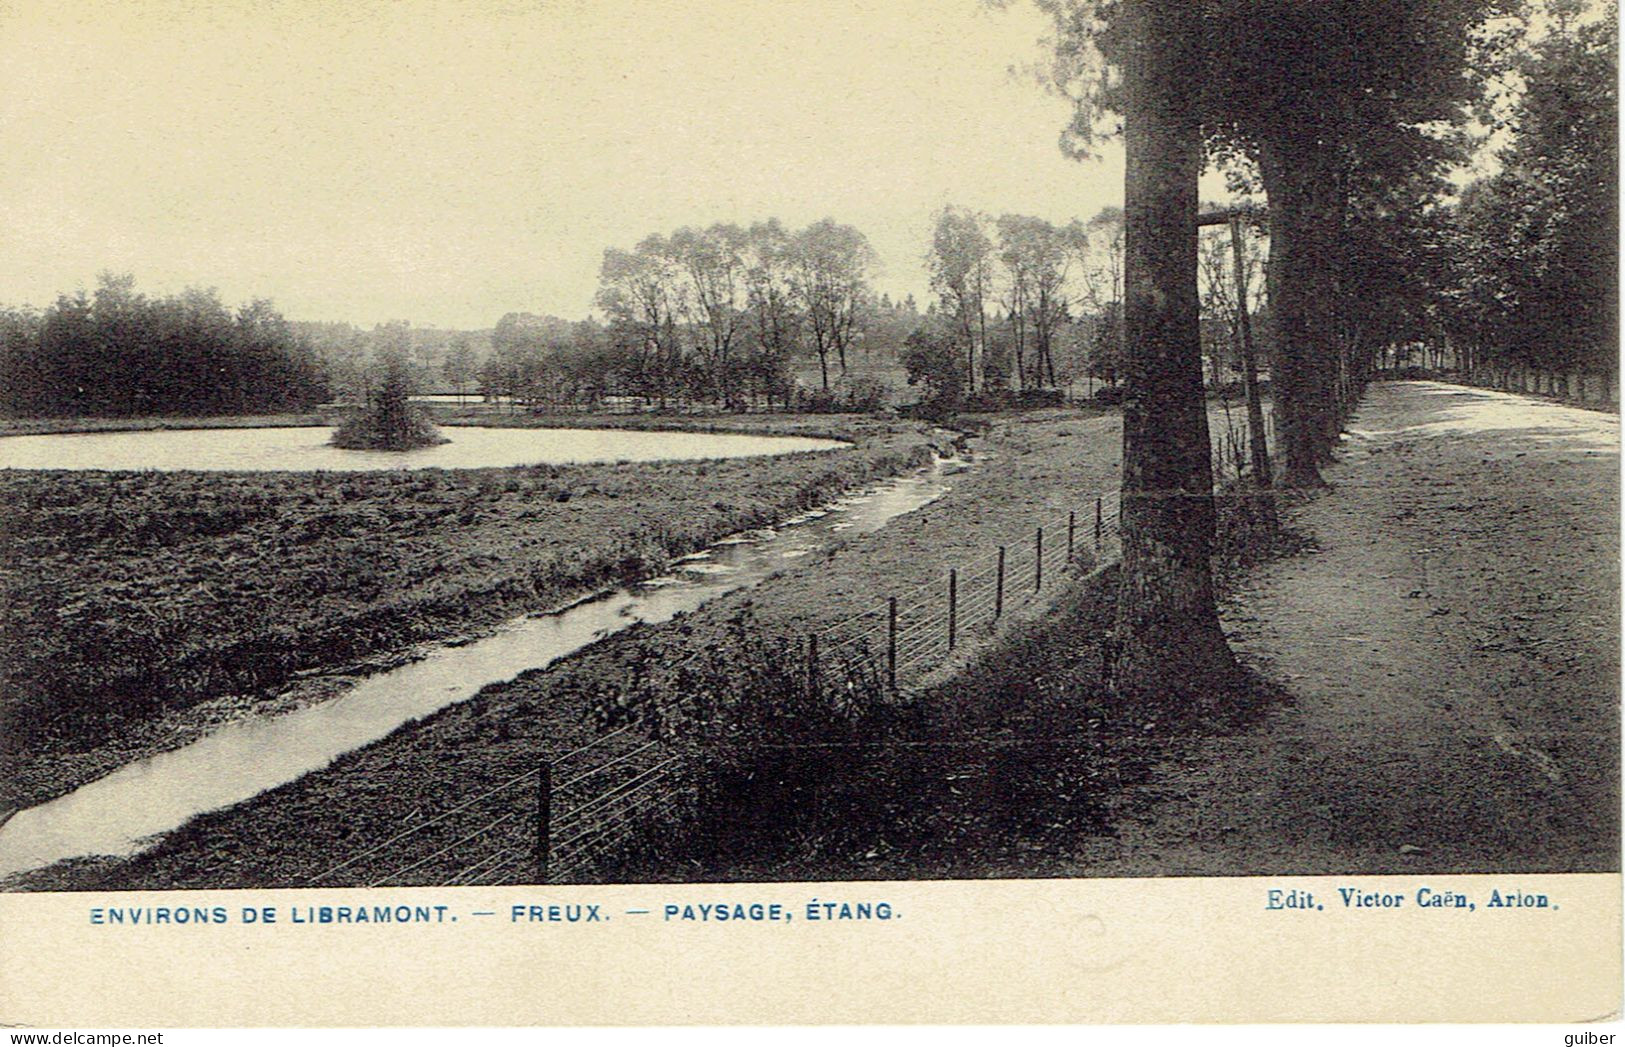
column 824, row 426
column 41, row 426
column 1035, row 464
column 138, row 609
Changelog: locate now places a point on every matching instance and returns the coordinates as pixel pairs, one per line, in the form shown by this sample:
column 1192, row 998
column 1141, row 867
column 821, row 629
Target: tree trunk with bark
column 1298, row 172
column 1168, row 643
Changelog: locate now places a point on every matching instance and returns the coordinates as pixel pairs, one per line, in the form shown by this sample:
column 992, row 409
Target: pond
column 305, row 449
column 125, row 811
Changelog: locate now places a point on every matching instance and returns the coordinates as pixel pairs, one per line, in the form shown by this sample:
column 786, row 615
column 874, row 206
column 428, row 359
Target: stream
column 127, row 810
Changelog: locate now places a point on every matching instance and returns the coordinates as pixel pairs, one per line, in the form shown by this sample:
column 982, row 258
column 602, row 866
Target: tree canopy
column 1530, row 264
column 119, row 352
column 1331, row 101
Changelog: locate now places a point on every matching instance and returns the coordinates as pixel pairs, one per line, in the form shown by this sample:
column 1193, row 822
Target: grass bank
column 819, row 426
column 81, row 424
column 1020, row 764
column 139, row 609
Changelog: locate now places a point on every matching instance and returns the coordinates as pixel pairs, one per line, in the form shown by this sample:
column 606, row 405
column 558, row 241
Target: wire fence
column 523, row 830
column 557, row 820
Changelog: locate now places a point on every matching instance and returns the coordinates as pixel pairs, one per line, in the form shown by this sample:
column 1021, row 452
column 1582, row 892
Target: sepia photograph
column 518, row 447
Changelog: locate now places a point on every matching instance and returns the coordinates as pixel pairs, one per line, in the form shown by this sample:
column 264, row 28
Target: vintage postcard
column 859, row 511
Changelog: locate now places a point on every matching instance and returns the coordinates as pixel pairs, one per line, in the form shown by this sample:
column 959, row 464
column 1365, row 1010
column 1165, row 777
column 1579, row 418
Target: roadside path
column 1452, row 649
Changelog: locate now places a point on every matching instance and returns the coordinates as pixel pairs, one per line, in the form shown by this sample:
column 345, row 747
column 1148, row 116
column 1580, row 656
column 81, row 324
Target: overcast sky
column 445, row 164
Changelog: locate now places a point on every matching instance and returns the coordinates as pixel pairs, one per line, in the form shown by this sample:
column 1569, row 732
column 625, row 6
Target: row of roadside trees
column 1350, row 115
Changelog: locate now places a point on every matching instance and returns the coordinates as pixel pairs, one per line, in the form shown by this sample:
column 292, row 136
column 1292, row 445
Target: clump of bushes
column 774, row 753
column 856, row 396
column 391, row 421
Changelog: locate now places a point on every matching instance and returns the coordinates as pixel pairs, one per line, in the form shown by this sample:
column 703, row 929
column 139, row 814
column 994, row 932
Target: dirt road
column 1452, row 652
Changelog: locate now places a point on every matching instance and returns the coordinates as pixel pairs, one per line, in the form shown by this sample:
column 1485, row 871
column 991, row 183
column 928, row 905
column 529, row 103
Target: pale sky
column 448, row 163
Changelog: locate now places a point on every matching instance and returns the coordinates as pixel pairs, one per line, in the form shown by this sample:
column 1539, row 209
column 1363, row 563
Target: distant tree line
column 761, row 316
column 118, row 352
column 725, row 317
column 1528, row 260
column 1022, row 304
column 720, row 314
column 355, row 360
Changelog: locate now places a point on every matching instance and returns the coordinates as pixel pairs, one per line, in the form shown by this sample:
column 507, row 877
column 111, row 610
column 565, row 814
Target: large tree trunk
column 1169, row 645
column 1298, row 174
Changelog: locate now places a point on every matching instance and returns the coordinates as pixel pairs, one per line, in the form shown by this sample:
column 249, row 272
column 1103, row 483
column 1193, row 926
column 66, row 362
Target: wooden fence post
column 953, row 607
column 544, row 818
column 1099, row 513
column 998, row 587
column 891, row 642
column 1038, row 560
column 1071, row 529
